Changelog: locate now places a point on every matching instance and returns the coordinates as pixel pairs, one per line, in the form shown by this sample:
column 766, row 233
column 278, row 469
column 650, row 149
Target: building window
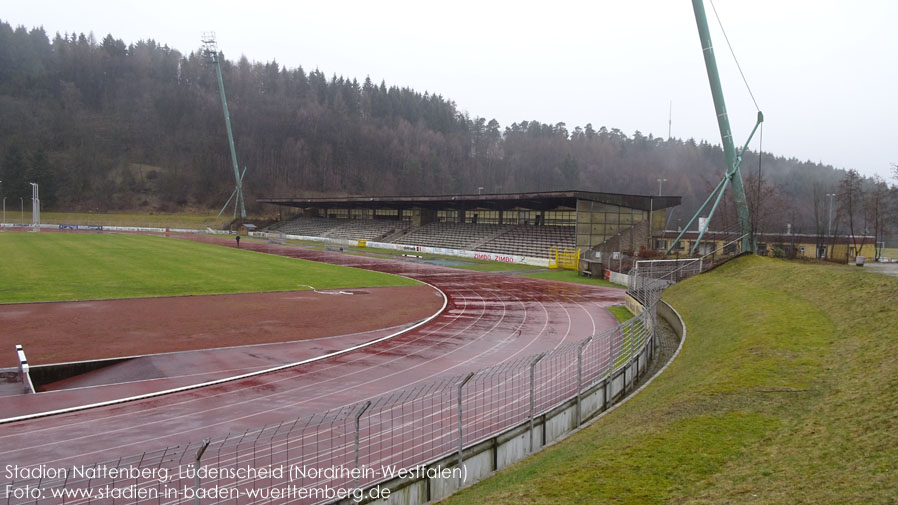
column 559, row 218
column 386, row 214
column 360, row 214
column 482, row 216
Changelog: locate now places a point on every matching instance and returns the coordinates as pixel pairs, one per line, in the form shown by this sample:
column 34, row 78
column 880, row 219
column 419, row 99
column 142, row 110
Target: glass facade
column 597, row 222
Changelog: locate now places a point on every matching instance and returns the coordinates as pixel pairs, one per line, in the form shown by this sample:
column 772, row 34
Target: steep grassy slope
column 786, row 391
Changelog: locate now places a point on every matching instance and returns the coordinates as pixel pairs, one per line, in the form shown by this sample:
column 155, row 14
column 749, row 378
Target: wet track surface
column 490, row 319
column 156, row 373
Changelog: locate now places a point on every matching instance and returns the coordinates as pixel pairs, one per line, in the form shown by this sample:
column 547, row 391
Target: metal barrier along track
column 343, row 452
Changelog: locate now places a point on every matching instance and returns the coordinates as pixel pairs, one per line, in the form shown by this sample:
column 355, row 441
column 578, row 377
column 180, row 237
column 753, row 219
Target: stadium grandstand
column 519, row 224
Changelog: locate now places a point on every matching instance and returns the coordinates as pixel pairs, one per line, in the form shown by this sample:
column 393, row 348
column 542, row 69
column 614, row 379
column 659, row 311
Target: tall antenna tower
column 213, row 56
column 669, row 119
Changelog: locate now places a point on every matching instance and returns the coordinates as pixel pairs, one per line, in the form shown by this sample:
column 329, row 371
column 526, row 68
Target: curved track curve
column 490, row 319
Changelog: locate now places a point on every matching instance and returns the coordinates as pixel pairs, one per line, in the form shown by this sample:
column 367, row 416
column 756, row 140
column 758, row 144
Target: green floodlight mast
column 210, row 51
column 733, row 175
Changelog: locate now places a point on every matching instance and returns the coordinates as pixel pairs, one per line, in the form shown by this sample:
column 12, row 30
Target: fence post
column 196, row 467
column 24, row 374
column 580, row 378
column 358, row 417
column 635, row 348
column 532, row 398
column 606, row 391
column 615, row 334
column 460, row 441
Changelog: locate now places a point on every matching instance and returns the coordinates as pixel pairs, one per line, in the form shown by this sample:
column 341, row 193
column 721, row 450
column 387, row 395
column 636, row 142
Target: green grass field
column 571, row 276
column 195, row 221
column 785, row 392
column 198, row 221
column 621, row 312
column 51, row 267
column 890, row 252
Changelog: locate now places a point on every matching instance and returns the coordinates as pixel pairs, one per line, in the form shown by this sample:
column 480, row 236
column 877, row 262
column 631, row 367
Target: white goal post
column 658, row 269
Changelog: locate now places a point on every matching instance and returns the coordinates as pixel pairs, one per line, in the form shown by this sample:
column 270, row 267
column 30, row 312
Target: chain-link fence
column 327, row 456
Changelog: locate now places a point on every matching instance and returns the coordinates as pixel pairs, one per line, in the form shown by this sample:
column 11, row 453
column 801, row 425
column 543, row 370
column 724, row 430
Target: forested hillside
column 102, row 125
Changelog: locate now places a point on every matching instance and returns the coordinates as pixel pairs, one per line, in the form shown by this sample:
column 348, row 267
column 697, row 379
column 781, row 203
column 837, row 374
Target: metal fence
column 335, row 454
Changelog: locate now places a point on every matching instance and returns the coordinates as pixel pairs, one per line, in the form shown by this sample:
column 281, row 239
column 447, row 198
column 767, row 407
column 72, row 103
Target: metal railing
column 338, row 453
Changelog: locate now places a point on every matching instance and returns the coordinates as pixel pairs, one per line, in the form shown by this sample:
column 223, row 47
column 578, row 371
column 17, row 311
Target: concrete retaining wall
column 45, row 374
column 633, row 305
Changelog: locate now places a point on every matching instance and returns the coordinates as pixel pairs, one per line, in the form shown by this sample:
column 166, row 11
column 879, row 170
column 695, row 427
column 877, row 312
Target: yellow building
column 840, row 248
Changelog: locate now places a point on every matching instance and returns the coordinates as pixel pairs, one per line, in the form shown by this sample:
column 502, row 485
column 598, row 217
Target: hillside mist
column 102, row 125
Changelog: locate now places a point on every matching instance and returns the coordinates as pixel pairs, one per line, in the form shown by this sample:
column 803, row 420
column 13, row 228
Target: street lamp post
column 659, row 185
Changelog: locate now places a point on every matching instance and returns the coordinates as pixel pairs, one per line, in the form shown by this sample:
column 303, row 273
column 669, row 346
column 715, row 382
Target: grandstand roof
column 544, row 200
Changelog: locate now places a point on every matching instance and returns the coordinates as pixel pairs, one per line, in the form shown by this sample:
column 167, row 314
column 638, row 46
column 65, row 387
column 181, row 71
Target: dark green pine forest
column 102, row 125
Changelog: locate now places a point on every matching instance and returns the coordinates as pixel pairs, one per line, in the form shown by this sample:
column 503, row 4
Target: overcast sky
column 824, row 72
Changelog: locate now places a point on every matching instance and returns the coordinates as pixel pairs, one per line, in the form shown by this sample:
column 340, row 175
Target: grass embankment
column 785, row 392
column 49, row 267
column 621, row 312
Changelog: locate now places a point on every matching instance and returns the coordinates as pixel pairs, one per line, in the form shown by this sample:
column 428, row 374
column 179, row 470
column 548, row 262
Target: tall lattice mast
column 213, row 56
column 732, row 177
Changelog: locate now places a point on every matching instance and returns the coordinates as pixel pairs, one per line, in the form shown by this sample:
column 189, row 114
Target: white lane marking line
column 143, row 413
column 325, row 292
column 369, row 368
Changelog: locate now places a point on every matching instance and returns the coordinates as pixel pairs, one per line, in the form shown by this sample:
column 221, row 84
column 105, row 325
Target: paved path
column 881, row 268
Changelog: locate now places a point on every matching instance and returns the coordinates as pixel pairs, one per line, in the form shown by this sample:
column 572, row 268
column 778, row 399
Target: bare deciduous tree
column 766, row 207
column 820, row 216
column 853, row 209
column 877, row 210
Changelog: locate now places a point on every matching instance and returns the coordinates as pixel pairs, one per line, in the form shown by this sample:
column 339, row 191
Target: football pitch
column 56, row 267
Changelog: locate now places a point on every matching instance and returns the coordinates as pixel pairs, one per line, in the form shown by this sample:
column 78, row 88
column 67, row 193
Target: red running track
column 490, row 319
